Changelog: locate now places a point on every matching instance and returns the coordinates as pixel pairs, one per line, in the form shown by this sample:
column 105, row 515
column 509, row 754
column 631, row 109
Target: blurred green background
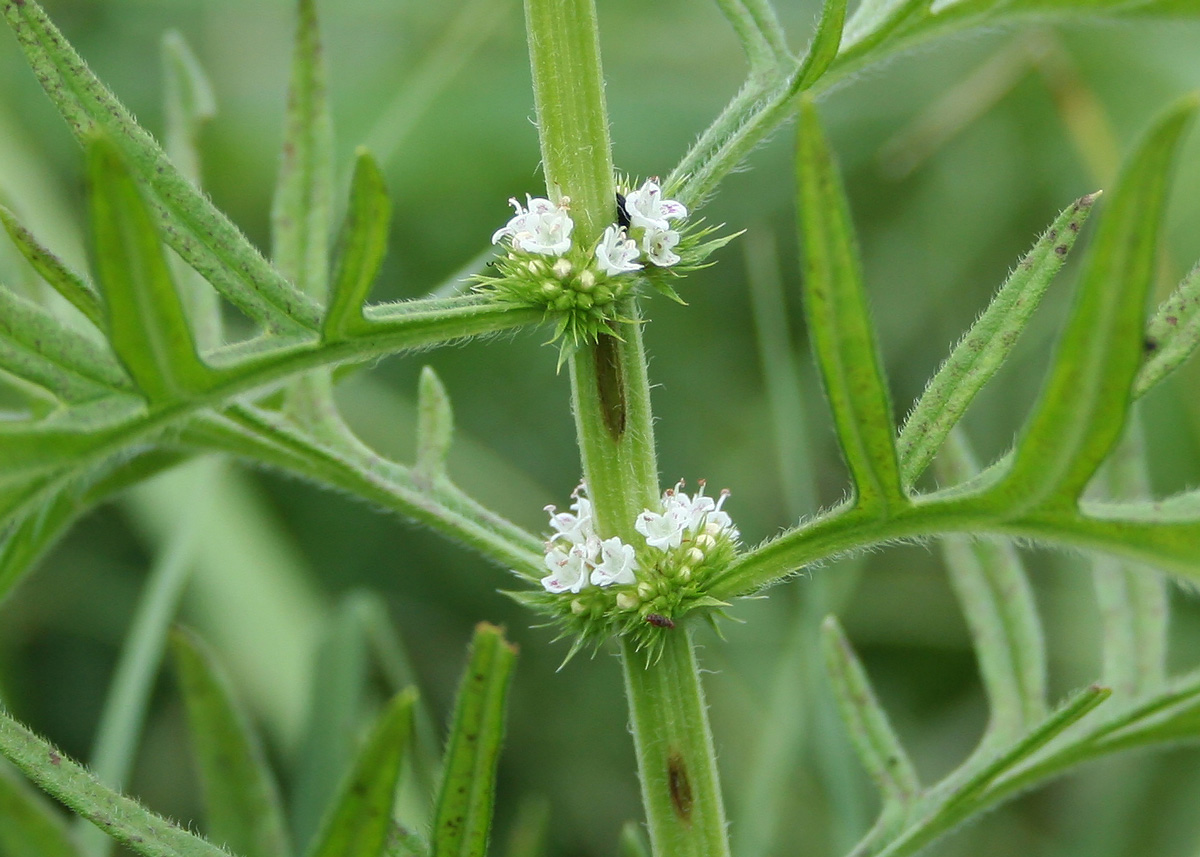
column 945, row 204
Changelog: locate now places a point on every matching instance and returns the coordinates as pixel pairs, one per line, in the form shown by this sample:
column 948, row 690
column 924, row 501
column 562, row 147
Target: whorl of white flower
column 648, row 210
column 659, row 245
column 617, row 564
column 543, row 227
column 683, row 515
column 617, row 253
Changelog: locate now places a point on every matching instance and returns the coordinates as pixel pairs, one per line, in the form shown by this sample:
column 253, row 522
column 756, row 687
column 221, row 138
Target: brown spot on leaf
column 1061, row 249
column 680, row 786
column 55, row 759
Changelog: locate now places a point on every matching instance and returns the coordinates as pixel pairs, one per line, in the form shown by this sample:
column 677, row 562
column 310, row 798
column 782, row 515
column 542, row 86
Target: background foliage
column 944, row 205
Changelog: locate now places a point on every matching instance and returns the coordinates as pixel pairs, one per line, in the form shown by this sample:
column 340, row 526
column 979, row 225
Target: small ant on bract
column 659, row 621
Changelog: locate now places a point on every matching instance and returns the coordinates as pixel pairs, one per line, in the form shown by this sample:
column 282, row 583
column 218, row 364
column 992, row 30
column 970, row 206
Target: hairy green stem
column 610, row 394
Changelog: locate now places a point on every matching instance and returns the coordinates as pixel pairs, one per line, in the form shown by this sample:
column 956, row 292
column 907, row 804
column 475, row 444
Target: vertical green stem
column 676, row 763
column 610, row 394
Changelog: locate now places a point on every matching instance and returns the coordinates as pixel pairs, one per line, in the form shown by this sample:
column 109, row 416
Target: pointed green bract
column 242, row 804
column 839, row 324
column 121, row 817
column 994, row 593
column 824, row 46
column 435, row 425
column 38, row 348
column 1082, row 408
column 30, row 826
column 361, row 248
column 200, row 233
column 300, row 216
column 986, row 346
column 78, row 291
column 464, row 809
column 359, row 822
column 1172, row 334
column 878, row 747
column 146, row 322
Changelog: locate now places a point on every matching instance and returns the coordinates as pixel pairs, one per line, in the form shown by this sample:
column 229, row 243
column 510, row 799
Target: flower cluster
column 584, row 285
column 597, row 587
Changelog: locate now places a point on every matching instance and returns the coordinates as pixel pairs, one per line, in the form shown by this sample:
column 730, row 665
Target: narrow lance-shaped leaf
column 823, row 48
column 146, row 321
column 30, row 826
column 36, row 347
column 74, row 287
column 839, row 324
column 242, row 804
column 878, row 747
column 361, row 248
column 464, row 808
column 300, row 215
column 1172, row 334
column 1133, row 600
column 996, row 598
column 1082, row 408
column 189, row 105
column 633, row 841
column 986, row 346
column 121, row 817
column 359, row 822
column 435, row 426
column 200, row 233
column 759, row 31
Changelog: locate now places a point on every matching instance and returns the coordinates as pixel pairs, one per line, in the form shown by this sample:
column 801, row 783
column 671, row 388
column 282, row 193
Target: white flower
column 617, row 564
column 569, row 569
column 663, row 531
column 648, row 210
column 542, row 228
column 659, row 244
column 617, row 252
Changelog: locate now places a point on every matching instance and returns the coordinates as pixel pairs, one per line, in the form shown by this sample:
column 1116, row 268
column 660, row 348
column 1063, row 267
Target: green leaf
column 337, row 709
column 361, row 248
column 464, row 808
column 147, row 324
column 37, row 347
column 30, row 826
column 74, row 287
column 70, row 783
column 839, row 324
column 824, row 46
column 1082, row 408
column 993, row 590
column 987, row 344
column 759, row 31
column 241, row 800
column 359, row 822
column 1172, row 334
column 435, row 426
column 189, row 105
column 530, row 830
column 633, row 841
column 300, row 215
column 878, row 747
column 201, row 234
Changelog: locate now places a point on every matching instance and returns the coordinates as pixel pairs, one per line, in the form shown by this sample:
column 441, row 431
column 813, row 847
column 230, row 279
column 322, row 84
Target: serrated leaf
column 464, row 808
column 359, row 822
column 997, row 601
column 1172, row 334
column 242, row 804
column 839, row 324
column 38, row 348
column 201, row 234
column 1080, row 413
column 435, row 425
column 146, row 321
column 361, row 248
column 986, row 346
column 300, row 214
column 30, row 826
column 877, row 745
column 123, row 818
column 72, row 286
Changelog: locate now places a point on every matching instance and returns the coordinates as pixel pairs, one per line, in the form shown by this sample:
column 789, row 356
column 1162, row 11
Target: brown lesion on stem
column 679, row 786
column 610, row 384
